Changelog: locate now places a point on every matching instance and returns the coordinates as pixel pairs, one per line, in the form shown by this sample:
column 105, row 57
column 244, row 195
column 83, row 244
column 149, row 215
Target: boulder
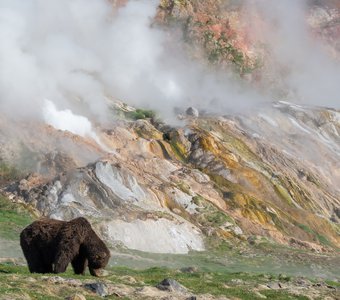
column 192, row 112
column 99, row 288
column 171, row 285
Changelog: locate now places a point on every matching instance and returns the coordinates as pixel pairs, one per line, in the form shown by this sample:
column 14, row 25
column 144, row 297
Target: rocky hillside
column 269, row 173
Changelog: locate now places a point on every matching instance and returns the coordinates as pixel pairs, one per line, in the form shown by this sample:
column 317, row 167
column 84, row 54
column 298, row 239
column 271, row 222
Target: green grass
column 13, row 218
column 280, row 295
column 139, row 114
column 220, row 283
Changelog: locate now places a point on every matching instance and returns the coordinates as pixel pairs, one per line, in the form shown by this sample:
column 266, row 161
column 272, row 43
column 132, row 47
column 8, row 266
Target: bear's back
column 44, row 230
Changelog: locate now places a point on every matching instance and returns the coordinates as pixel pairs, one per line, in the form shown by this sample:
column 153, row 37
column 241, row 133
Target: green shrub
column 139, row 114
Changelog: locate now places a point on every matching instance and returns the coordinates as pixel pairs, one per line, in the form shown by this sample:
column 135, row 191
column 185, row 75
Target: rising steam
column 77, row 52
column 311, row 75
column 67, row 121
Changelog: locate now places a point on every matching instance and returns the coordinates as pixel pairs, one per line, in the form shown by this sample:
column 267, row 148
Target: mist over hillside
column 76, row 53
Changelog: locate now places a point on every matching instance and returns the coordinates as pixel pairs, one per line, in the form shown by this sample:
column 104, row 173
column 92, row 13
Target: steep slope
column 271, row 172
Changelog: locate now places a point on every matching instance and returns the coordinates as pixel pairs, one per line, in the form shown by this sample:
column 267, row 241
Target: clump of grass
column 140, row 114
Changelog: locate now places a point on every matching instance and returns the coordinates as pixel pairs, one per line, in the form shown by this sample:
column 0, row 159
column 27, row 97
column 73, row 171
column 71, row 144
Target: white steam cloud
column 79, row 51
column 311, row 75
column 67, row 121
column 76, row 51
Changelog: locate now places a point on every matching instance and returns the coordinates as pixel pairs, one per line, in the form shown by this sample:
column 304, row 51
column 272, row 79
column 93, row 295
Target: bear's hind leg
column 35, row 265
column 33, row 257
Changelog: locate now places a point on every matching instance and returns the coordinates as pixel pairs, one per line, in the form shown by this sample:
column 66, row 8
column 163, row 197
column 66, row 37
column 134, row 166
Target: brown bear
column 50, row 245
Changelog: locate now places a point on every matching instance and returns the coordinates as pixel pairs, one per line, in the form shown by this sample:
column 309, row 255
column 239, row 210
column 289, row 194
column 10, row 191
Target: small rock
column 191, row 298
column 76, row 297
column 237, row 281
column 171, row 285
column 275, row 285
column 129, row 279
column 98, row 287
column 193, row 112
column 189, row 270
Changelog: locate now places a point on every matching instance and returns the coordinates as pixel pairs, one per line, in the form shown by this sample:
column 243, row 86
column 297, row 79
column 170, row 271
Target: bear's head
column 98, row 257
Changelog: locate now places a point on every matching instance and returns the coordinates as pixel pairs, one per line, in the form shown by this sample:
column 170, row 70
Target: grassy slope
column 13, row 218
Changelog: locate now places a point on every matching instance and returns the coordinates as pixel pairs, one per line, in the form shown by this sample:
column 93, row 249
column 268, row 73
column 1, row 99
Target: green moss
column 178, row 151
column 198, row 200
column 217, row 218
column 139, row 114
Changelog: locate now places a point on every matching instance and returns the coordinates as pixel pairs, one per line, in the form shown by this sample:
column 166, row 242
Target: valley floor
column 124, row 283
column 280, row 273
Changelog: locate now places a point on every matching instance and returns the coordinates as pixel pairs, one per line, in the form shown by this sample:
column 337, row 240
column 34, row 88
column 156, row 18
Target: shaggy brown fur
column 50, row 245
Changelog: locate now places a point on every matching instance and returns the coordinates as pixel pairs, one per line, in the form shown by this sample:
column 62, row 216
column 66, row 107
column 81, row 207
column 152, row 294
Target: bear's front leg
column 60, row 264
column 65, row 254
column 79, row 263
